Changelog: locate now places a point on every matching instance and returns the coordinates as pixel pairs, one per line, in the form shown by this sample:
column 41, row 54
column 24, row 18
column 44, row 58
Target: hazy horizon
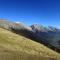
column 45, row 12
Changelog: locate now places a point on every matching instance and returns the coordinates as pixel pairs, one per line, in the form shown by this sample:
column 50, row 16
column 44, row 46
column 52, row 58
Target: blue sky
column 45, row 12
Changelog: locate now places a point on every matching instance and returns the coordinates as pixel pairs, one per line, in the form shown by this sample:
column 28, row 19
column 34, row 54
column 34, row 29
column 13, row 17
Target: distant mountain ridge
column 49, row 36
column 42, row 28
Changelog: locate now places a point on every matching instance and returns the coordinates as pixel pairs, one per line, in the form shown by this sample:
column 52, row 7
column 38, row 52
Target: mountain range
column 49, row 36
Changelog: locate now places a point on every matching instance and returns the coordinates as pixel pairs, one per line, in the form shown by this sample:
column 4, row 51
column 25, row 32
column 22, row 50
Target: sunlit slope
column 16, row 47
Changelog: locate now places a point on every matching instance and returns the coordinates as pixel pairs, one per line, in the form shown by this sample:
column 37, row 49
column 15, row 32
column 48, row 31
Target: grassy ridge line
column 12, row 44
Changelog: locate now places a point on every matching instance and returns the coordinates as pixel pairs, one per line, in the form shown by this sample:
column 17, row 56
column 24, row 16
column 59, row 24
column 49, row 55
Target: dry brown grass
column 16, row 47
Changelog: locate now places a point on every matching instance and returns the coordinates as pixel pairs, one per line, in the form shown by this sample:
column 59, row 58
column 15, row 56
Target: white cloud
column 18, row 22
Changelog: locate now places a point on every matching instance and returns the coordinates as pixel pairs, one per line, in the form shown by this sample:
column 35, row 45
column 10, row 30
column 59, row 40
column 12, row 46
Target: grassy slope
column 16, row 47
